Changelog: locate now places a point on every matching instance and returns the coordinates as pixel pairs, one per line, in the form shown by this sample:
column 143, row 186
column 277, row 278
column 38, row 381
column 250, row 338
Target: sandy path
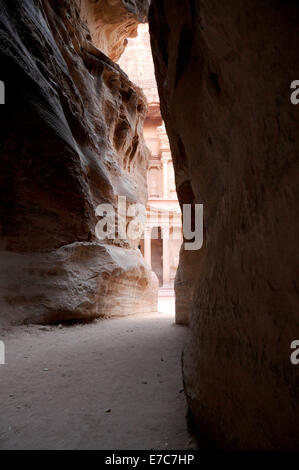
column 57, row 386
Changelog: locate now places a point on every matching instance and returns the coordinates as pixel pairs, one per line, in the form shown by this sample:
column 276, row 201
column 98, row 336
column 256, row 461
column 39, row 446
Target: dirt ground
column 110, row 384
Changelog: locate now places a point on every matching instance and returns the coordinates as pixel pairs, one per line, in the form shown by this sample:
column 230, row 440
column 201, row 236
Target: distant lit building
column 163, row 237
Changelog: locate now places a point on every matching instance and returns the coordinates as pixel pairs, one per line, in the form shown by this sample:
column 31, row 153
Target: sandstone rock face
column 224, row 71
column 71, row 139
column 111, row 22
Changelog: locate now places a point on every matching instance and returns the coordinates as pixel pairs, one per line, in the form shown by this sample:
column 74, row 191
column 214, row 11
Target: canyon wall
column 224, row 71
column 71, row 139
column 112, row 22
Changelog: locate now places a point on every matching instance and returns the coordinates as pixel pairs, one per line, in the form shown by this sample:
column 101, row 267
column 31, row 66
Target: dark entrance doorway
column 157, row 253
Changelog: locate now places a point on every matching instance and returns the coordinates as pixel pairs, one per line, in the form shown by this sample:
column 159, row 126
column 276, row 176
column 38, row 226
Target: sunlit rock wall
column 224, row 71
column 112, row 22
column 71, row 139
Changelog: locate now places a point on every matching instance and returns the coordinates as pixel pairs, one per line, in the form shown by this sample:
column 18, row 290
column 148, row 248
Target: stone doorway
column 157, row 254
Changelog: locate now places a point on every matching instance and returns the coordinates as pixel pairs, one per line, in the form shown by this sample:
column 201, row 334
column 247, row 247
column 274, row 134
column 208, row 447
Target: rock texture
column 71, row 138
column 224, row 71
column 112, row 22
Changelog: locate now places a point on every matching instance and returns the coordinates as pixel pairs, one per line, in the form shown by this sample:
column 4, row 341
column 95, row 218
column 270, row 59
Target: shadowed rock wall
column 224, row 71
column 71, row 138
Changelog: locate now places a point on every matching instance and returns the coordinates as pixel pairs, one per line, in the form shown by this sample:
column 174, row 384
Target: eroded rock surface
column 71, row 138
column 112, row 22
column 224, row 71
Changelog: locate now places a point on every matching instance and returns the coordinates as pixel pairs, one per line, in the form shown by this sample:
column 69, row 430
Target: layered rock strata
column 71, row 139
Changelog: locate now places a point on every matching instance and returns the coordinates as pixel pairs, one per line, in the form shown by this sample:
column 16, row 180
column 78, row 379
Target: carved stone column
column 165, row 179
column 148, row 246
column 166, row 264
